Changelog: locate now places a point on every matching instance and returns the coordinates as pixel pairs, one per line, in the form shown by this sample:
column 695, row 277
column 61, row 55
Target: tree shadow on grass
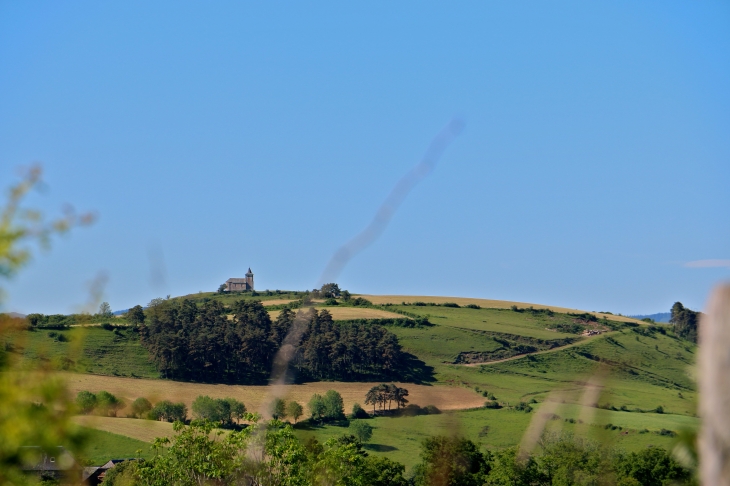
column 413, row 370
column 379, row 447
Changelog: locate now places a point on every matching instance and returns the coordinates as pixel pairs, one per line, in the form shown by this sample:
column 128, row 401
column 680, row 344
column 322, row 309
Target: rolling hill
column 637, row 375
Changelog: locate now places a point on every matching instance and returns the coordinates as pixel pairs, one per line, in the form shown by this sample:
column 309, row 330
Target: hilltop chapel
column 240, row 284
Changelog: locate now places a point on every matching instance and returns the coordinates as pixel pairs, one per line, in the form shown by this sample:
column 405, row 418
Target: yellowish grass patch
column 144, row 430
column 347, row 313
column 487, row 303
column 254, row 397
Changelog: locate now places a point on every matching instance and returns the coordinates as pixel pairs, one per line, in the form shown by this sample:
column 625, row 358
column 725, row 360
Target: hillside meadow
column 639, row 375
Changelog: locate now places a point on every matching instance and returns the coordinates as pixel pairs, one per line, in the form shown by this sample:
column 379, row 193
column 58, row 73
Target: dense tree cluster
column 102, row 403
column 386, row 394
column 223, row 410
column 329, row 407
column 685, row 322
column 203, row 343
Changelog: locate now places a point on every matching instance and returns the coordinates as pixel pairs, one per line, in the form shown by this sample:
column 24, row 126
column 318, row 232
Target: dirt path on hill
column 546, row 351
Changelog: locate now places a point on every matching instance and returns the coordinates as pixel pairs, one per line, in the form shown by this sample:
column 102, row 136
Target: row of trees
column 386, row 394
column 188, row 342
column 223, row 410
column 102, row 403
column 329, row 407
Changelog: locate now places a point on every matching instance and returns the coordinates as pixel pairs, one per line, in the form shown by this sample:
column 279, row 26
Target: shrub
column 316, row 407
column 334, row 405
column 278, row 409
column 108, row 404
column 362, row 430
column 331, row 301
column 359, row 413
column 360, row 301
column 85, row 401
column 492, row 404
column 411, row 410
column 450, row 304
column 168, row 411
column 106, row 326
column 431, row 410
column 472, row 306
column 140, row 407
column 294, row 410
column 523, row 407
column 659, row 409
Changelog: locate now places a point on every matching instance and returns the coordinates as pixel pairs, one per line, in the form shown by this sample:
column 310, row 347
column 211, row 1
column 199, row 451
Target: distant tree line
column 203, row 343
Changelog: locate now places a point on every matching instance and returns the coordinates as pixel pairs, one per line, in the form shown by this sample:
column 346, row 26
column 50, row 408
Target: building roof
column 249, row 271
column 236, row 280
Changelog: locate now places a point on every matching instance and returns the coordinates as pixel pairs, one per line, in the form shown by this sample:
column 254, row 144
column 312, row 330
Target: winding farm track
column 546, row 351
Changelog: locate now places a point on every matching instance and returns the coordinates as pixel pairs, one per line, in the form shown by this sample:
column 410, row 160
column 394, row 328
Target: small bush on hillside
column 523, row 407
column 107, row 404
column 294, row 410
column 278, row 409
column 431, row 410
column 168, row 412
column 106, row 326
column 472, row 306
column 140, row 407
column 492, row 404
column 85, row 401
column 659, row 409
column 331, row 301
column 334, row 405
column 359, row 301
column 359, row 413
column 362, row 430
column 411, row 410
column 450, row 304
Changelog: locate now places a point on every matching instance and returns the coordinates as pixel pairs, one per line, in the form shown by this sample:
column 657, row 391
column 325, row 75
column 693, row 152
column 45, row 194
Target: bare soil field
column 487, row 303
column 255, row 397
column 144, row 430
column 347, row 313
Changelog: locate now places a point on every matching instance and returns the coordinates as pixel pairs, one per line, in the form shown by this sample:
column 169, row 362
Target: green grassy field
column 502, row 321
column 400, row 438
column 86, row 350
column 633, row 368
column 103, row 446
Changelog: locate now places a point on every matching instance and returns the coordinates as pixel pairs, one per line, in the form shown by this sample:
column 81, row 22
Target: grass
column 103, row 446
column 502, row 321
column 485, row 303
column 400, row 438
column 633, row 368
column 143, row 431
column 86, row 350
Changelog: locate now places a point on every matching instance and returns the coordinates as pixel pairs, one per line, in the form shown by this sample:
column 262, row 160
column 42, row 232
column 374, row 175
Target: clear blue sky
column 592, row 171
